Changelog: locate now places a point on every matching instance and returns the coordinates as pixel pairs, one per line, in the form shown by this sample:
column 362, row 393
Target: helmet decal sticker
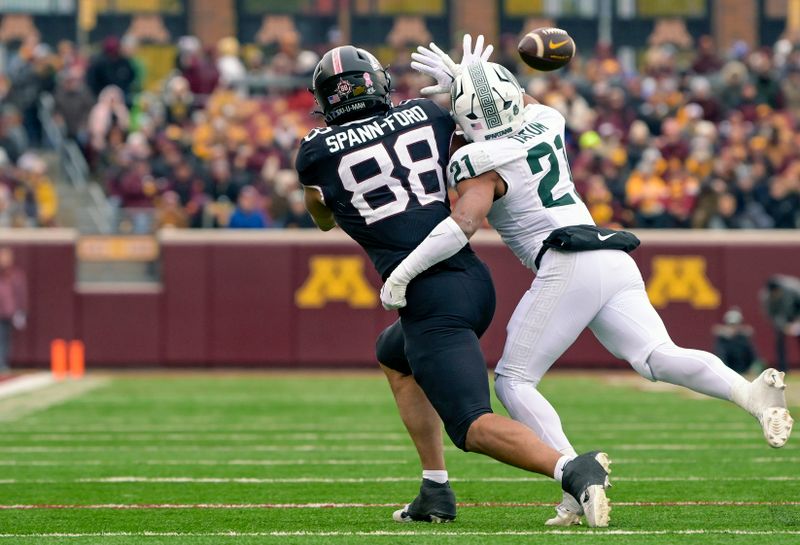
column 484, row 94
column 344, row 88
column 337, row 61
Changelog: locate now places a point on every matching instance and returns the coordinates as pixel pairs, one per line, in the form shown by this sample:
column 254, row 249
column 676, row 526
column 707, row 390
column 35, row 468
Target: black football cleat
column 435, row 503
column 586, row 478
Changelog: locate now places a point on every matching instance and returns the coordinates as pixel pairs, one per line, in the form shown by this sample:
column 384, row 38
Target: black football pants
column 436, row 340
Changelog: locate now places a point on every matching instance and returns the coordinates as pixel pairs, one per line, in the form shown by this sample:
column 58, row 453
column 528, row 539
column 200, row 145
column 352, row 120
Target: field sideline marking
column 410, row 533
column 348, row 462
column 126, row 479
column 14, row 408
column 352, row 505
column 347, row 425
column 349, row 448
column 294, row 462
column 25, row 383
column 287, row 438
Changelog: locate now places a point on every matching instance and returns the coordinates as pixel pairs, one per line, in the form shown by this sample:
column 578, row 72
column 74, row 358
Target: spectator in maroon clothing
column 137, row 186
column 703, row 96
column 672, row 144
column 615, row 110
column 200, row 70
column 13, row 303
column 707, row 60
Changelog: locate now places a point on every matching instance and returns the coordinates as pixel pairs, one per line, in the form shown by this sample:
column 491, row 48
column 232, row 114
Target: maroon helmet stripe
column 337, row 61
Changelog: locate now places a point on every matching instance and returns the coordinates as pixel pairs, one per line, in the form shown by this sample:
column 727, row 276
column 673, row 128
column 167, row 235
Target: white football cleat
column 586, row 479
column 765, row 399
column 568, row 512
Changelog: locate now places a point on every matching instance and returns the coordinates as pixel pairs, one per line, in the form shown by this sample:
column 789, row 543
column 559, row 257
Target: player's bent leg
column 546, row 321
column 419, row 417
column 526, row 404
column 703, row 372
column 436, row 502
column 697, row 370
column 631, row 329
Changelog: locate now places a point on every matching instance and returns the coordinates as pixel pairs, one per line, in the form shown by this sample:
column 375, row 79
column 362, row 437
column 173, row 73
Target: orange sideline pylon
column 77, row 364
column 58, row 359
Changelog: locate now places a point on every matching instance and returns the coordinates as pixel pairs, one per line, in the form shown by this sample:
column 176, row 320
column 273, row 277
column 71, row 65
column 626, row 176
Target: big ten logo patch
column 681, row 279
column 336, row 278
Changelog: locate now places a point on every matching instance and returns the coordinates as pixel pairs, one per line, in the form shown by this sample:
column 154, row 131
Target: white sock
column 700, row 371
column 435, row 475
column 558, row 473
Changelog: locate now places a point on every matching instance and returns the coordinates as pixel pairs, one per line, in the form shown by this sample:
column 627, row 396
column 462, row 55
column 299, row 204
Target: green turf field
column 222, row 459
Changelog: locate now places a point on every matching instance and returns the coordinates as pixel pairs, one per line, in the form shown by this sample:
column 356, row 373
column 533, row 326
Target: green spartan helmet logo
column 484, row 93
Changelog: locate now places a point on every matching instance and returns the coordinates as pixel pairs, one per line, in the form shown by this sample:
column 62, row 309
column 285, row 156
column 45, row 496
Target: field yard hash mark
column 129, row 479
column 380, row 533
column 139, row 506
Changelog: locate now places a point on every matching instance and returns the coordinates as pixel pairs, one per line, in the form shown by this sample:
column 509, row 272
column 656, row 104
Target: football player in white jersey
column 515, row 172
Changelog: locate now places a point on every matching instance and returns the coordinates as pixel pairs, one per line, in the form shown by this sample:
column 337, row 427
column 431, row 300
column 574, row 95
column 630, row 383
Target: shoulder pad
column 533, row 112
column 309, row 148
column 478, row 158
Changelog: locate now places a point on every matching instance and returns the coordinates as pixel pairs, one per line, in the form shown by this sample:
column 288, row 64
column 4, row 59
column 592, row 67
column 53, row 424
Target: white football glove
column 437, row 64
column 393, row 294
column 477, row 54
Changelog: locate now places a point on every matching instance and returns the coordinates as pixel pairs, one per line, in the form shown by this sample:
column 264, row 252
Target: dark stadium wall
column 48, row 259
column 306, row 299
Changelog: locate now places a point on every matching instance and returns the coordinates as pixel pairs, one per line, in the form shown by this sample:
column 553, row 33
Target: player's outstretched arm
column 476, row 196
column 320, row 213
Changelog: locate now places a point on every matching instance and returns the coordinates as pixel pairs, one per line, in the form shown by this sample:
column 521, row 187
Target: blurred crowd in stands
column 697, row 137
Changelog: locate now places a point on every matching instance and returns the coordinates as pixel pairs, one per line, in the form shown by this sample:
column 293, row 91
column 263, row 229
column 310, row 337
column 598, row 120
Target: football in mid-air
column 546, row 49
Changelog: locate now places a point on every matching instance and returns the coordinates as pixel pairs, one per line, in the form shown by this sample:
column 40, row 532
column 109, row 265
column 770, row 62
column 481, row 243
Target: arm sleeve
column 443, row 242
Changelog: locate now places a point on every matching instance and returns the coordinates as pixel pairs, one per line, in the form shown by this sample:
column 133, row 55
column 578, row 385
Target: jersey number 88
column 379, row 182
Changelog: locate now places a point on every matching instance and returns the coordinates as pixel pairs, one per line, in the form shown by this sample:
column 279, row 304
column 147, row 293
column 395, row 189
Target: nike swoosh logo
column 556, row 45
column 603, row 238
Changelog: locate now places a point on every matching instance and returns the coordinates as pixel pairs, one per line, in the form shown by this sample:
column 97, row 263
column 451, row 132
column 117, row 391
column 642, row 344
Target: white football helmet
column 486, row 100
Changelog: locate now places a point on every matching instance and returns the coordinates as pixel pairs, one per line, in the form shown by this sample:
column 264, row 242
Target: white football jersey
column 540, row 195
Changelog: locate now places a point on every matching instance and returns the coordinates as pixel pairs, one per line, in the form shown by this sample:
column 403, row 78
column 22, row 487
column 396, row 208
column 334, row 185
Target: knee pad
column 649, row 368
column 457, row 429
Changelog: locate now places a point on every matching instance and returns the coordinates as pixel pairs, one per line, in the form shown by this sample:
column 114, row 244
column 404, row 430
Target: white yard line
column 353, row 505
column 193, row 436
column 293, row 462
column 113, row 426
column 212, row 448
column 24, row 384
column 410, row 533
column 49, row 394
column 756, row 445
column 326, row 462
column 280, row 438
column 129, row 479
